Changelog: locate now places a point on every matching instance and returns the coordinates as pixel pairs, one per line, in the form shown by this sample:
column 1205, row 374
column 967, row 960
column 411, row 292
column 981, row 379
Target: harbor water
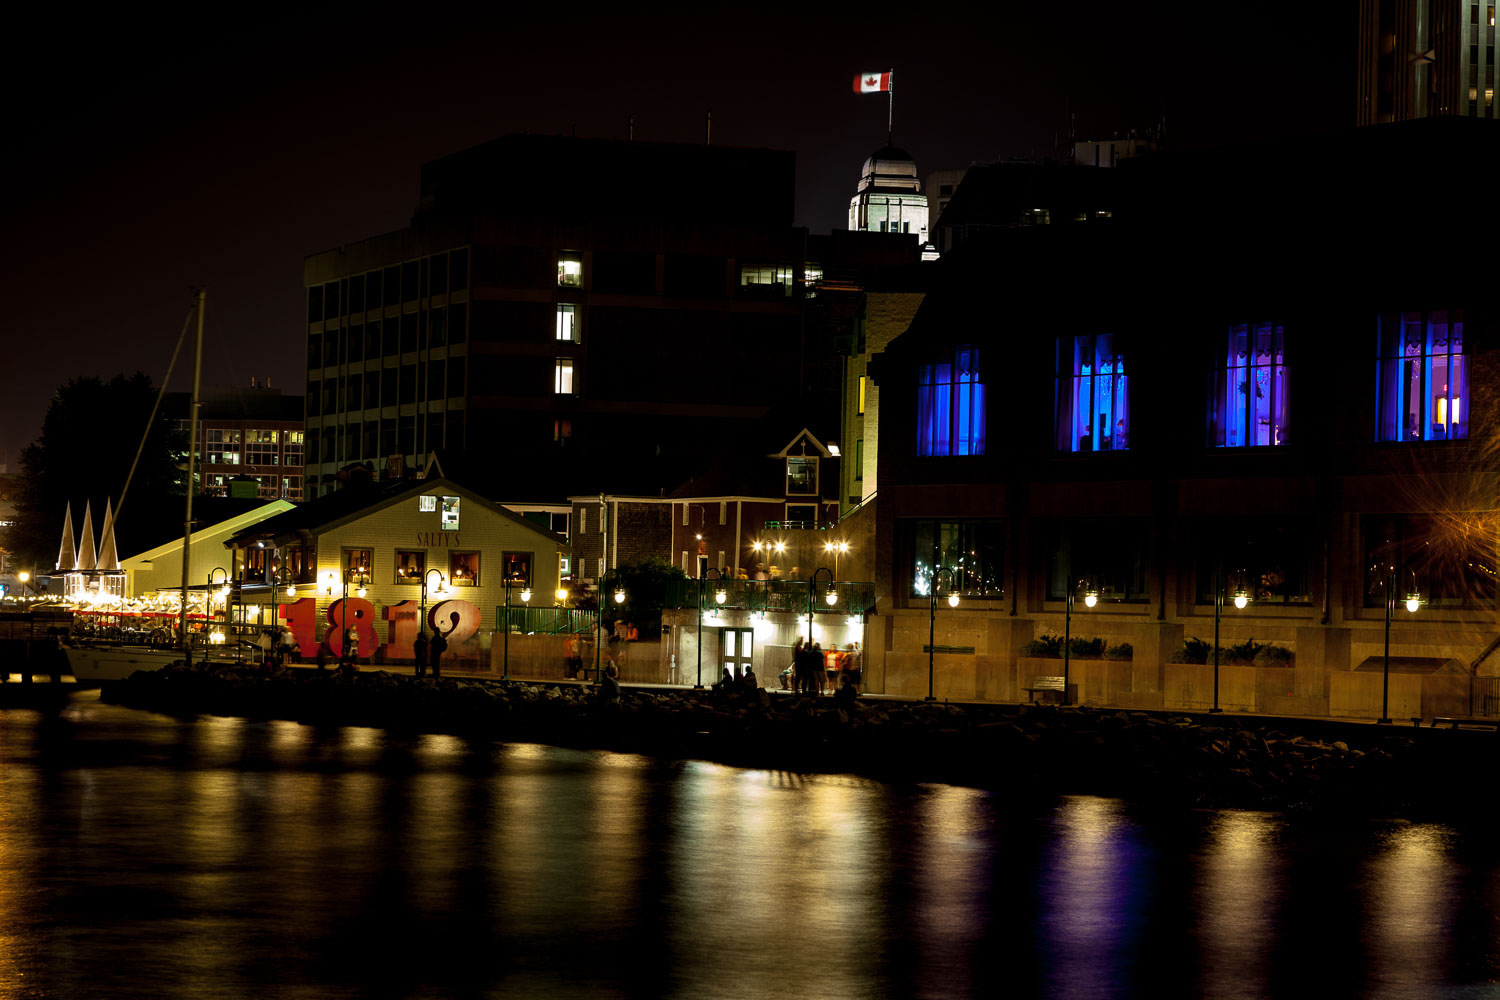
column 143, row 856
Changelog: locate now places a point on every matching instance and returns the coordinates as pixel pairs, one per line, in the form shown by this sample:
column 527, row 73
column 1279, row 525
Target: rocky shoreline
column 1025, row 752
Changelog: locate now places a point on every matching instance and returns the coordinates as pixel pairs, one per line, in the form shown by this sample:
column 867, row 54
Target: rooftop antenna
column 708, row 128
column 630, row 134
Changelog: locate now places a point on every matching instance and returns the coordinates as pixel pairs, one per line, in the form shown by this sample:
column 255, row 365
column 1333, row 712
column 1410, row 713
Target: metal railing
column 1487, row 696
column 545, row 621
column 854, row 597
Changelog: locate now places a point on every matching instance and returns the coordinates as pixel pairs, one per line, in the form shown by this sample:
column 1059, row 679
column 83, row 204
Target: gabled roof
column 356, row 501
column 801, row 435
column 237, row 523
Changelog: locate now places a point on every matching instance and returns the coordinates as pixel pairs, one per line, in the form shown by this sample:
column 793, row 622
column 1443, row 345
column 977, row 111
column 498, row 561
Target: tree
column 648, row 588
column 88, row 441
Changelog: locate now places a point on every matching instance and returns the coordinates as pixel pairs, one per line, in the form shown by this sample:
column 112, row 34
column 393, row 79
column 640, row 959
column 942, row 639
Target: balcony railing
column 799, row 525
column 853, row 597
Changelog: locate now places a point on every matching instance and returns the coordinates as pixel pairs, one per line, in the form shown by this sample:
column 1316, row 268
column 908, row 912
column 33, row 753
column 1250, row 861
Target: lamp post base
column 1215, row 711
column 1382, row 722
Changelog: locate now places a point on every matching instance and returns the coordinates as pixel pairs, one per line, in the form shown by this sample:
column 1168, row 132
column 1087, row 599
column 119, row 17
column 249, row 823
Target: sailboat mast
column 187, row 524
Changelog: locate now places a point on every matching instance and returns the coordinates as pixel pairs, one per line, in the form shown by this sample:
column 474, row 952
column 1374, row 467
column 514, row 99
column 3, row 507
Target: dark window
column 372, row 439
column 1248, row 391
column 1268, row 558
column 356, row 351
column 330, row 348
column 426, row 266
column 331, row 395
column 968, row 555
column 312, row 449
column 624, row 273
column 372, row 339
column 409, row 322
column 439, row 280
column 951, row 405
column 408, row 383
column 1093, row 394
column 410, row 274
column 455, row 428
column 458, row 323
column 437, row 324
column 458, row 270
column 435, row 379
column 1107, row 557
column 351, row 442
column 353, row 399
column 331, row 300
column 387, row 438
column 372, row 289
column 314, row 397
column 407, row 444
column 693, row 277
column 392, row 287
column 1445, row 562
column 1422, row 377
column 389, row 332
column 315, row 304
column 330, row 444
column 372, row 389
column 456, row 377
column 314, row 351
column 516, row 568
column 388, row 395
column 801, row 475
column 357, row 294
column 434, row 431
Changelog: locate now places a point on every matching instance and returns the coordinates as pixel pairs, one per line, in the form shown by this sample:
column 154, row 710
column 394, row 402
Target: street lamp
column 439, row 590
column 599, row 626
column 932, row 589
column 1413, row 601
column 525, row 599
column 836, row 549
column 218, row 576
column 359, row 577
column 1240, row 600
column 22, row 577
column 720, row 596
column 832, row 597
column 1090, row 598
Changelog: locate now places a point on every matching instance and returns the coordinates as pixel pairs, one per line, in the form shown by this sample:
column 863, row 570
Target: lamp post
column 220, row 576
column 525, row 599
column 1240, row 600
column 1413, row 601
column 599, row 627
column 439, row 590
column 831, row 597
column 836, row 549
column 932, row 590
column 1090, row 598
column 720, row 596
column 22, row 577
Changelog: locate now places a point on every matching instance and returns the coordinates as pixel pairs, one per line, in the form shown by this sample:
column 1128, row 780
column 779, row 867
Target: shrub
column 1194, row 650
column 1085, row 649
column 1045, row 646
column 1123, row 651
column 1273, row 656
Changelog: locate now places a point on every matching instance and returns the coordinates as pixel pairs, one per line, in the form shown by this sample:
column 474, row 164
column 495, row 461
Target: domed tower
column 889, row 198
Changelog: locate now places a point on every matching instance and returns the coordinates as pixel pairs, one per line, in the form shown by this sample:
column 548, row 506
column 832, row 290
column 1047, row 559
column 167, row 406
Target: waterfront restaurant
column 373, row 562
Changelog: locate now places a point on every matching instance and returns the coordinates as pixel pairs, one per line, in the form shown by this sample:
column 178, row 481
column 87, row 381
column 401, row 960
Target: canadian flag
column 872, row 83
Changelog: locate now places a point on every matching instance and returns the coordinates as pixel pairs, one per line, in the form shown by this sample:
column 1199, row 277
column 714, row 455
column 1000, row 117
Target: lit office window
column 1249, row 390
column 570, row 270
column 951, row 405
column 1421, row 377
column 1093, row 395
column 562, row 377
column 567, row 323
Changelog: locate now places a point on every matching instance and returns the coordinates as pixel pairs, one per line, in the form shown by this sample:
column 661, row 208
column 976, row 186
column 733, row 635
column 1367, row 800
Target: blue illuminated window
column 1421, row 377
column 1248, row 392
column 1093, row 395
column 950, row 405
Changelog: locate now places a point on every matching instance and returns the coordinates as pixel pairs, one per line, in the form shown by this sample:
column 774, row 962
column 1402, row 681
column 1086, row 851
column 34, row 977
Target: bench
column 1454, row 722
column 1040, row 685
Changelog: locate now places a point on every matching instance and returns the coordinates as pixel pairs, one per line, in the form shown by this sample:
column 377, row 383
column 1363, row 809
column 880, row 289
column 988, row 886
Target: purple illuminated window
column 1093, row 395
column 950, row 405
column 1421, row 377
column 1248, row 392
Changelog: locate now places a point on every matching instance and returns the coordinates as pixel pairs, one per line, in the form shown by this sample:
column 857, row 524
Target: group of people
column 429, row 652
column 745, row 680
column 812, row 670
column 278, row 647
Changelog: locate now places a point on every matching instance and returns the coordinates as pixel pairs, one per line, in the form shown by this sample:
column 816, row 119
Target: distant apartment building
column 249, row 438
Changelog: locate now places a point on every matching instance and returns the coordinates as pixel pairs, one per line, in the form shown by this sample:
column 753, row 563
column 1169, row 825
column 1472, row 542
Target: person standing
column 435, row 652
column 419, row 652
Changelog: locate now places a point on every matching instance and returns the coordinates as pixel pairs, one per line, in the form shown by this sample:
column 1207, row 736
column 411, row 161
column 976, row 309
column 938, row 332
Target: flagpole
column 890, row 114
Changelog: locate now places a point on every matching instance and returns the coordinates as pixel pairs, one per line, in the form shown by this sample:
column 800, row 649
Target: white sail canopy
column 67, row 555
column 87, row 559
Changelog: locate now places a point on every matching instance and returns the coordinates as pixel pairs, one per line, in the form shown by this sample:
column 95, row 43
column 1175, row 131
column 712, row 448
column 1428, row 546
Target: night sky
column 146, row 156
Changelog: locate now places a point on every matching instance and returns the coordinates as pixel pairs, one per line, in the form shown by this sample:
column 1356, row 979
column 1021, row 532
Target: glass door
column 738, row 646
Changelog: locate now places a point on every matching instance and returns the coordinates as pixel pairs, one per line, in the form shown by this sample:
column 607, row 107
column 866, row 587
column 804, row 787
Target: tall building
column 250, row 436
column 889, row 198
column 1424, row 58
column 580, row 314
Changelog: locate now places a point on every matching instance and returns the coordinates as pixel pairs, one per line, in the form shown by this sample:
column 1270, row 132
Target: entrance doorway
column 738, row 645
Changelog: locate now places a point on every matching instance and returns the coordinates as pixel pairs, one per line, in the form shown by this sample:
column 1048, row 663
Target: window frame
column 952, row 411
column 475, row 578
column 1276, row 391
column 400, row 559
column 1101, row 346
column 1394, row 377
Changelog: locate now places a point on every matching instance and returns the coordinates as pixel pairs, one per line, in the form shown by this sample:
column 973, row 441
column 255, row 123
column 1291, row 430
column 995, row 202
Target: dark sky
column 148, row 155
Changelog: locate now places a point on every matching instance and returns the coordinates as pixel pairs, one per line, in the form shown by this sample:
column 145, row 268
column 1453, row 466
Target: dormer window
column 801, row 475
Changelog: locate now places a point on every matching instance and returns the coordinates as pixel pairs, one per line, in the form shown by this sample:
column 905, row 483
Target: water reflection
column 144, row 856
